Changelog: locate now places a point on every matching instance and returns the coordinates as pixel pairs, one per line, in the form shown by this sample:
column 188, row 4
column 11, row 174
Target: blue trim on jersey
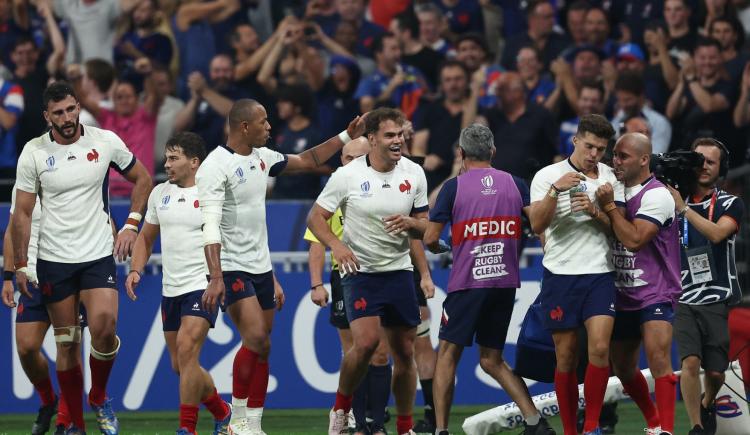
column 278, row 167
column 231, row 151
column 420, row 209
column 126, row 169
column 620, row 203
column 650, row 219
column 105, row 193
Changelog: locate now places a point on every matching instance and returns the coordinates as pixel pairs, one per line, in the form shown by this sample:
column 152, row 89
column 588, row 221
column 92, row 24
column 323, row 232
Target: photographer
column 709, row 224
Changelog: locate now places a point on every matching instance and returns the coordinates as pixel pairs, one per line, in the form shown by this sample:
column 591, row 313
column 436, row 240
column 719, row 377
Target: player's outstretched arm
column 318, row 155
column 8, row 266
column 139, row 176
column 142, row 249
column 21, row 233
column 432, row 236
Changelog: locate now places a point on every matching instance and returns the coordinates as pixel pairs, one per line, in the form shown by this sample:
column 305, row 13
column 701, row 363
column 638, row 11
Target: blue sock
column 380, row 393
column 359, row 403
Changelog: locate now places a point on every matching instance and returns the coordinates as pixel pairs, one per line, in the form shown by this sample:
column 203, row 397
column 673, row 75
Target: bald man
column 232, row 189
column 646, row 256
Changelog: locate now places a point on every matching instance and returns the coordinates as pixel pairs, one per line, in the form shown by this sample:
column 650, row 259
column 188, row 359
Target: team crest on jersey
column 240, row 174
column 488, row 182
column 93, row 156
column 51, row 163
column 365, row 189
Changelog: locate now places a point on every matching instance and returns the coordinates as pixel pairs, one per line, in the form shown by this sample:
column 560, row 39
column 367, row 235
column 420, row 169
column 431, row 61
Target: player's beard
column 60, row 129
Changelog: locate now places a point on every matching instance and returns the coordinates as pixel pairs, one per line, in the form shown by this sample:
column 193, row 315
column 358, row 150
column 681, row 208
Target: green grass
column 307, row 421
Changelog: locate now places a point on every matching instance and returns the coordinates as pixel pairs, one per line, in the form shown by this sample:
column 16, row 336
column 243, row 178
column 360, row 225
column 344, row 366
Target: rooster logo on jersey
column 405, row 186
column 93, row 156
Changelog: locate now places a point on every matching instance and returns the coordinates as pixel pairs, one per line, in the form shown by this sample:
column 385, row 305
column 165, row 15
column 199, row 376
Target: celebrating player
column 173, row 211
column 232, row 192
column 75, row 261
column 385, row 200
column 646, row 255
column 485, row 274
column 577, row 290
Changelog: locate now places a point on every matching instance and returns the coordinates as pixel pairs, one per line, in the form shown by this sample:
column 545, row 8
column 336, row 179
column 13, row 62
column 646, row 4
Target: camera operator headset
column 709, row 225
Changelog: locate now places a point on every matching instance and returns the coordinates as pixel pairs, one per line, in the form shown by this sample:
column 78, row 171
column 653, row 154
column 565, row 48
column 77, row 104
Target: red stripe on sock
column 637, row 389
column 71, row 388
column 404, row 423
column 666, row 396
column 189, row 417
column 594, row 387
column 216, row 405
column 258, row 385
column 100, row 371
column 566, row 388
column 242, row 369
column 343, row 402
column 45, row 391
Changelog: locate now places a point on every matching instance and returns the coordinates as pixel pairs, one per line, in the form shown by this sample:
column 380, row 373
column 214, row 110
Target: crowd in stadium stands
column 146, row 69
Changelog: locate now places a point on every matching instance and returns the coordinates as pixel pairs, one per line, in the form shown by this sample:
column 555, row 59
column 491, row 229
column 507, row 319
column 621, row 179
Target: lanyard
column 710, row 219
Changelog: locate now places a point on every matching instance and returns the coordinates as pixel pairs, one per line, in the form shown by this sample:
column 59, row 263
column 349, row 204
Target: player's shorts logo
column 19, row 310
column 556, row 314
column 726, row 407
column 405, row 187
column 238, row 285
column 47, row 289
column 360, row 304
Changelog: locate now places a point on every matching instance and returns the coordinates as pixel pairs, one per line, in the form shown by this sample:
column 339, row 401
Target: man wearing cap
column 630, row 94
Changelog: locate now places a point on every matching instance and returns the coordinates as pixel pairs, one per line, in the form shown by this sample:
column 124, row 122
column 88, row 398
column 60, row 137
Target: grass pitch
column 308, row 421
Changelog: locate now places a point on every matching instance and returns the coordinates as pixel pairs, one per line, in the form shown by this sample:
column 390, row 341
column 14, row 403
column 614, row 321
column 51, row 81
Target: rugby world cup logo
column 487, row 183
column 240, row 174
column 365, row 189
column 165, row 202
column 51, row 163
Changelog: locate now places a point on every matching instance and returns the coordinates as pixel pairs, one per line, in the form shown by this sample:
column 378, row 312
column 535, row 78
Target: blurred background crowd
column 673, row 69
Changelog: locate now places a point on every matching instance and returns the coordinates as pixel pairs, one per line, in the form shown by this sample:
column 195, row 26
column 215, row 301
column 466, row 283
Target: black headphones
column 724, row 162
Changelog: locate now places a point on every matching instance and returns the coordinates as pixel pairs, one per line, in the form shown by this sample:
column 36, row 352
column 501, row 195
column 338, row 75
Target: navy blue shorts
column 421, row 299
column 189, row 304
column 241, row 285
column 33, row 310
column 482, row 312
column 389, row 295
column 58, row 281
column 628, row 323
column 568, row 300
column 338, row 311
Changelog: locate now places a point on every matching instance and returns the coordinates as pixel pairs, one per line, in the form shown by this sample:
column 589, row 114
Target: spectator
column 248, row 59
column 682, row 37
column 133, row 122
column 525, row 133
column 346, row 37
column 32, row 73
column 91, row 27
column 295, row 107
column 14, row 23
column 292, row 60
column 97, row 80
column 206, row 111
column 702, row 101
column 191, row 25
column 540, row 16
column 472, row 51
column 538, row 87
column 462, row 15
column 731, row 36
column 590, row 101
column 393, row 84
column 711, row 10
column 336, row 101
column 661, row 73
column 597, row 30
column 633, row 16
column 575, row 18
column 406, row 29
column 353, row 12
column 630, row 59
column 438, row 124
column 635, row 124
column 742, row 111
column 432, row 25
column 631, row 101
column 582, row 63
column 142, row 41
column 11, row 109
column 169, row 107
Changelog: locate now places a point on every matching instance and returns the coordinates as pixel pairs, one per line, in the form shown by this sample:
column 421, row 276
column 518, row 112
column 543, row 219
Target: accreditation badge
column 701, row 264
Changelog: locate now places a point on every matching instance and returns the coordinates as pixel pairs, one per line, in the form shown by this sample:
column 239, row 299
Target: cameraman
column 709, row 224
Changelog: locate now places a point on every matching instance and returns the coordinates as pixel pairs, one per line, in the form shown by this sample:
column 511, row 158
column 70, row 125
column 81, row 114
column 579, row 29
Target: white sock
column 254, row 412
column 238, row 409
column 533, row 420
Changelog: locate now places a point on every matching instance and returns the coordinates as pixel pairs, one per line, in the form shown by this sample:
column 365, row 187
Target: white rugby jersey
column 366, row 196
column 34, row 239
column 177, row 212
column 72, row 182
column 238, row 184
column 575, row 244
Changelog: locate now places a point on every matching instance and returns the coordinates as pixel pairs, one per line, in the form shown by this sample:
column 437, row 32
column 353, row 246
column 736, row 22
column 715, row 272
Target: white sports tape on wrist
column 135, row 215
column 106, row 356
column 344, row 136
column 68, row 334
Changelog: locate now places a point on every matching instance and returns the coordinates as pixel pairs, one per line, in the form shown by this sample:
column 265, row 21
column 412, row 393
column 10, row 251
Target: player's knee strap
column 68, row 334
column 106, row 356
column 423, row 329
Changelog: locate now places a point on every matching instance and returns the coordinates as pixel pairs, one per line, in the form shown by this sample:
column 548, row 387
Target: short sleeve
column 334, row 192
column 523, row 189
column 539, row 186
column 153, row 199
column 619, row 189
column 421, row 203
column 443, row 210
column 211, row 181
column 27, row 178
column 13, row 200
column 733, row 206
column 274, row 161
column 122, row 159
column 657, row 206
